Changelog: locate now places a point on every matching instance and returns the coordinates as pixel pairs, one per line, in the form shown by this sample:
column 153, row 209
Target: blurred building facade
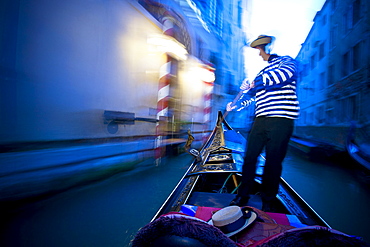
column 80, row 83
column 334, row 84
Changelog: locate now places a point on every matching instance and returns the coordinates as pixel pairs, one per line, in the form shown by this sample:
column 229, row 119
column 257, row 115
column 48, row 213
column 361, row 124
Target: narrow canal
column 108, row 213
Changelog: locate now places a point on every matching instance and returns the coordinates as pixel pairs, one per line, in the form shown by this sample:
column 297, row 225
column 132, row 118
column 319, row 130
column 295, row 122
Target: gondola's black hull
column 213, row 181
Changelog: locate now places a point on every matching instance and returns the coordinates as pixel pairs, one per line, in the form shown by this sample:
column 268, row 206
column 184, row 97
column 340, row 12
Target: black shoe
column 240, row 201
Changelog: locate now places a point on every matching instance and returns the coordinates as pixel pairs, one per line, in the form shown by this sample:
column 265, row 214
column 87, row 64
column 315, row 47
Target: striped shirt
column 274, row 90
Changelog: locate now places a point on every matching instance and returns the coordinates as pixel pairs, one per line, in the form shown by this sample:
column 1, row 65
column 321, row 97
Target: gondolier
column 274, row 93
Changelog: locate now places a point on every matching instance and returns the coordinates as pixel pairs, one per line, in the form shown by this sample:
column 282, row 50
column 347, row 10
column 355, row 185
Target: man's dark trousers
column 273, row 133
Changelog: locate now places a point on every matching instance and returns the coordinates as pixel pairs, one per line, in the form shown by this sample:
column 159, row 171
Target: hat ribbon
column 236, row 225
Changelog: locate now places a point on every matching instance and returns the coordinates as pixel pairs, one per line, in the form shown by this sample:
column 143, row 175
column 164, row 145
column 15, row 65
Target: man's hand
column 252, row 84
column 245, row 85
column 229, row 107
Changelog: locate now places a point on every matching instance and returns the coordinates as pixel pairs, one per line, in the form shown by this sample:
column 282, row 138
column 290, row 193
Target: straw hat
column 232, row 219
column 262, row 40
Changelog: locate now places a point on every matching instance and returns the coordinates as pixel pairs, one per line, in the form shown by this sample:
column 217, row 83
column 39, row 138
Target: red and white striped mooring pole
column 207, row 108
column 163, row 93
column 207, row 103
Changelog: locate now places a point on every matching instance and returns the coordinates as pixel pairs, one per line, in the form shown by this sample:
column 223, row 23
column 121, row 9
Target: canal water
column 339, row 190
column 109, row 213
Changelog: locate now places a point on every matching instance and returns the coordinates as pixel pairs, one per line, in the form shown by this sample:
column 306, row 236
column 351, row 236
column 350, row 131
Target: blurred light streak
column 166, row 44
column 193, row 79
column 204, row 74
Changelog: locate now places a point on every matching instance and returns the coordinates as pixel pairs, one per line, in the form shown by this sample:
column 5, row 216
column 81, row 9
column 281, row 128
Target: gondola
column 213, row 178
column 314, row 149
column 356, row 152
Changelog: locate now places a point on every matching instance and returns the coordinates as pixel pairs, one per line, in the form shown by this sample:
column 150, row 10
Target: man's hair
column 266, row 47
column 314, row 237
column 262, row 46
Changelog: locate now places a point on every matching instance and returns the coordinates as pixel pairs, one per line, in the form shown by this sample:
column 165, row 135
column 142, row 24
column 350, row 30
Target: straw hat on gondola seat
column 233, row 219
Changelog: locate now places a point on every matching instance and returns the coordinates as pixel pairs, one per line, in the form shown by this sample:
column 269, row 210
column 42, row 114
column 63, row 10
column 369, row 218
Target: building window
column 347, row 21
column 356, row 11
column 357, row 56
column 346, row 64
column 312, row 88
column 322, row 82
column 334, row 5
column 347, row 109
column 304, row 70
column 337, row 111
column 320, row 115
column 304, row 118
column 322, row 50
column 333, row 36
column 311, row 118
column 304, row 94
column 351, row 60
column 313, row 61
column 323, row 20
column 330, row 117
column 331, row 77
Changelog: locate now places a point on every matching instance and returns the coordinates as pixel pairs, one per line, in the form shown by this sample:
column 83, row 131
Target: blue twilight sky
column 288, row 20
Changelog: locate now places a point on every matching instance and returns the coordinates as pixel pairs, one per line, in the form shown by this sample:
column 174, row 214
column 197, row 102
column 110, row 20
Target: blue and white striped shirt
column 274, row 90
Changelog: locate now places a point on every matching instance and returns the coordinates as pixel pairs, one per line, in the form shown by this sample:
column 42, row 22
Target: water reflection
column 339, row 193
column 107, row 213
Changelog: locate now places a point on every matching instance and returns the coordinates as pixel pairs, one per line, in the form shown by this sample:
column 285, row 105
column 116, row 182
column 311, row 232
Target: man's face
column 263, row 54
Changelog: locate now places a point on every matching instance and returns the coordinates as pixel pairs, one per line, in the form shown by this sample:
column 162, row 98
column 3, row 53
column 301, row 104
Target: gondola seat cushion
column 175, row 230
column 311, row 236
